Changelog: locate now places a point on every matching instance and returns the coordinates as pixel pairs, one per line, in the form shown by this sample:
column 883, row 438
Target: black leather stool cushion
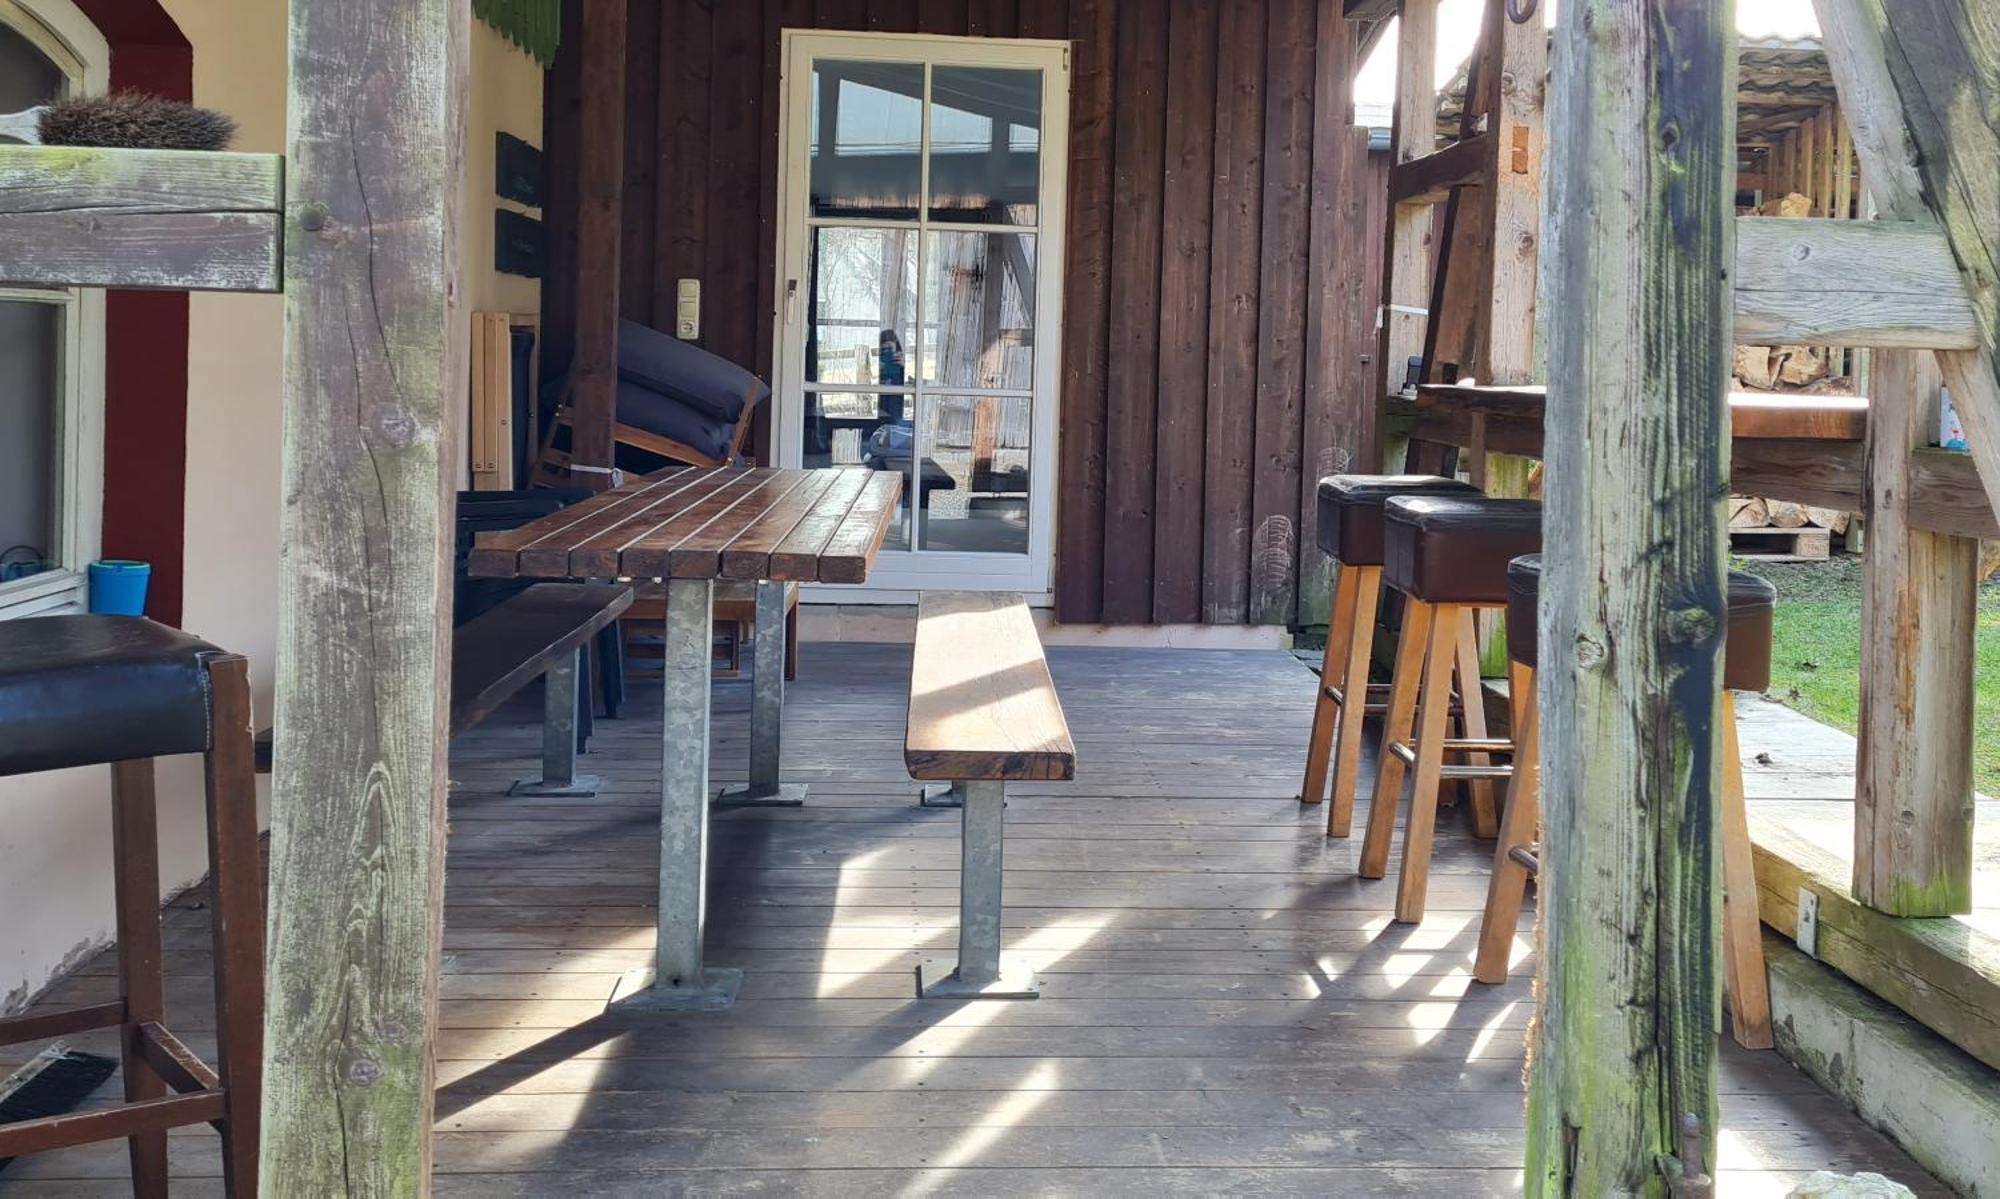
column 80, row 690
column 1447, row 550
column 1350, row 511
column 1746, row 654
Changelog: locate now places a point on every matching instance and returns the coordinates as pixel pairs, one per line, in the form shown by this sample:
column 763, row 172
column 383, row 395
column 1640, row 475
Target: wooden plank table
column 691, row 526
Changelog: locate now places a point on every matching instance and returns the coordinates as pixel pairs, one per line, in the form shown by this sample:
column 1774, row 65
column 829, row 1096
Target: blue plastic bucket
column 118, row 588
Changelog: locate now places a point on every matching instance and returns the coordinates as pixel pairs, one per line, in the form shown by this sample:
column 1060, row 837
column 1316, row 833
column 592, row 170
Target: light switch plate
column 687, row 309
column 1808, row 932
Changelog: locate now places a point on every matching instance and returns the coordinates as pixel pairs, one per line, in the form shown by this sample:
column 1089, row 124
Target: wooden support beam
column 1887, row 284
column 593, row 376
column 1641, row 116
column 72, row 216
column 373, row 385
column 1926, row 155
column 1406, row 258
column 1919, row 615
column 1945, row 495
column 1429, row 179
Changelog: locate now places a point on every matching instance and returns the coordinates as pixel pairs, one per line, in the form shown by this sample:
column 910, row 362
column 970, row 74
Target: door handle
column 791, row 302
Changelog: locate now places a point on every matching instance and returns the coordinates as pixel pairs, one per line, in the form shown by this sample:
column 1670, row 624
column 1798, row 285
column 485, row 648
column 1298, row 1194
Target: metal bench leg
column 979, row 972
column 611, row 668
column 680, row 979
column 767, row 711
column 561, row 689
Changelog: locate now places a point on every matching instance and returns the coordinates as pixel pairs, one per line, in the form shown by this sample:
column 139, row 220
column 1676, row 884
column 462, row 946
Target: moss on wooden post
column 372, row 385
column 1640, row 230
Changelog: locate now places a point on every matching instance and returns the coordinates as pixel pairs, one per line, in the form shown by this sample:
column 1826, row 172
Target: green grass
column 1816, row 657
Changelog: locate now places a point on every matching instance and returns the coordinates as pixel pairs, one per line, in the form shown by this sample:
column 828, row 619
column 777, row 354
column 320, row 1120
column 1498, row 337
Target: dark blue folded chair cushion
column 709, row 384
column 647, row 409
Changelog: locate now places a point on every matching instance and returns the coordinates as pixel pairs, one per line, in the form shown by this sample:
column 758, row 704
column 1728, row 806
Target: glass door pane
column 975, row 474
column 985, row 146
column 867, row 139
column 979, row 310
column 863, row 298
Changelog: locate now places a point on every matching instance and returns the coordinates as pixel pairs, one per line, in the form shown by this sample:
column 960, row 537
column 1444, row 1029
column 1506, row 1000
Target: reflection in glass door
column 922, row 197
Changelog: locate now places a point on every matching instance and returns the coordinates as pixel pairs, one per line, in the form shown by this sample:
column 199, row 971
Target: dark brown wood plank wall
column 1184, row 277
column 1132, row 413
column 1223, row 232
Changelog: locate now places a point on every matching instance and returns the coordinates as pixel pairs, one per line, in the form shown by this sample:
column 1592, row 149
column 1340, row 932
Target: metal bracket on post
column 979, row 973
column 767, row 712
column 941, row 795
column 562, row 693
column 680, row 980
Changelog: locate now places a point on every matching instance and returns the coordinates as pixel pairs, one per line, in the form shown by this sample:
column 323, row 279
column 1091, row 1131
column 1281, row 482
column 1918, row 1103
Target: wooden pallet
column 1805, row 544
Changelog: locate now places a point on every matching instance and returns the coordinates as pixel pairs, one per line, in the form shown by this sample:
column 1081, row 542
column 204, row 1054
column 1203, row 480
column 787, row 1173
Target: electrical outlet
column 1808, row 932
column 687, row 309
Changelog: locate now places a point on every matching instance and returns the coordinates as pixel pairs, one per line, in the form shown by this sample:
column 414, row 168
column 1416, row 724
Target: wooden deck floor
column 1227, row 1007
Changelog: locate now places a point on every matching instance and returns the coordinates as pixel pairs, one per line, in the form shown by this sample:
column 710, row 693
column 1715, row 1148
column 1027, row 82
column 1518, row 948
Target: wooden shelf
column 164, row 219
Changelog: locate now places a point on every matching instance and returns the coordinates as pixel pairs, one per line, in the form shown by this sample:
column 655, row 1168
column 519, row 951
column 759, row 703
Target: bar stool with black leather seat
column 1746, row 666
column 1350, row 532
column 1448, row 555
column 93, row 690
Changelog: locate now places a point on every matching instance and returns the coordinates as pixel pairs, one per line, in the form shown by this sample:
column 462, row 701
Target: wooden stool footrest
column 70, row 1021
column 1526, row 856
column 109, row 1124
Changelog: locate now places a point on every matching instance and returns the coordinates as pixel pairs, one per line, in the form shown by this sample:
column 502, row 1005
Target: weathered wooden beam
column 1406, row 257
column 1944, row 973
column 600, row 202
column 1886, row 284
column 73, row 216
column 1639, row 233
column 1945, row 494
column 1925, row 154
column 373, row 385
column 1429, row 179
column 1919, row 616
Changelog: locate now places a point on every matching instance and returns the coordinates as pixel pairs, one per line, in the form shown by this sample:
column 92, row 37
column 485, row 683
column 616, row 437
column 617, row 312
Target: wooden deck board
column 1227, row 1008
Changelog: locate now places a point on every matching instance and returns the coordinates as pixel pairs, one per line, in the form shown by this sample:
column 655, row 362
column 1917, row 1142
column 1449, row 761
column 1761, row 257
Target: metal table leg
column 562, row 688
column 941, row 795
column 979, row 973
column 767, row 711
column 680, row 979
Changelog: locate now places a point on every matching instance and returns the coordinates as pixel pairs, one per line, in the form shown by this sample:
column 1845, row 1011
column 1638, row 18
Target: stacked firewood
column 1747, row 512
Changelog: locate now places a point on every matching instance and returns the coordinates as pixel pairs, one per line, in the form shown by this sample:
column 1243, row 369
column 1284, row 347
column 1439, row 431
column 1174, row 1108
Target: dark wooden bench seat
column 983, row 713
column 542, row 631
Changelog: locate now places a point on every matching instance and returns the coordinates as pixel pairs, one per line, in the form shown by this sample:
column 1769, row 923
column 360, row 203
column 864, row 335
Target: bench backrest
column 982, row 705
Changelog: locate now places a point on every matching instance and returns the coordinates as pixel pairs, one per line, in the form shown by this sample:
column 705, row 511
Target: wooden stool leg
column 1472, row 696
column 238, row 918
column 1410, row 650
column 1509, row 885
column 1339, row 631
column 1742, row 932
column 1432, row 713
column 1354, row 685
column 135, row 851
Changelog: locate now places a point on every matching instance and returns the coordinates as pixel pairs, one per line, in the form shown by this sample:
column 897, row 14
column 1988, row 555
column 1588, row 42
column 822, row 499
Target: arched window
column 51, row 352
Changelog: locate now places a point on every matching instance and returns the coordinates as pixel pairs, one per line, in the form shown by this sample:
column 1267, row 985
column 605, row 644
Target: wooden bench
column 541, row 633
column 983, row 713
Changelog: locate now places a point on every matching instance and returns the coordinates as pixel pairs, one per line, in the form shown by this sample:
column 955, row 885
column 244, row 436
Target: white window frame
column 898, row 577
column 60, row 30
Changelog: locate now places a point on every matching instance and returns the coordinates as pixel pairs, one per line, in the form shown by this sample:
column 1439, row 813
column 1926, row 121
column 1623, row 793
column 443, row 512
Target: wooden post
column 1406, row 259
column 600, row 197
column 1622, row 1092
column 1913, row 812
column 373, row 383
column 1919, row 613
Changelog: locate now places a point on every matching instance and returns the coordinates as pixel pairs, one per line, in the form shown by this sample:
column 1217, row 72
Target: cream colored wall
column 54, row 844
column 505, row 97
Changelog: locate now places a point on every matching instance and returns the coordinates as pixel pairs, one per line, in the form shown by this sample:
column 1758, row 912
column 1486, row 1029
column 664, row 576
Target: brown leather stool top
column 1455, row 550
column 79, row 690
column 1350, row 510
column 1746, row 655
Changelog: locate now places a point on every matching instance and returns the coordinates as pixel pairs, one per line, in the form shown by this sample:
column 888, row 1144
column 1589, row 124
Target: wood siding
column 1218, row 313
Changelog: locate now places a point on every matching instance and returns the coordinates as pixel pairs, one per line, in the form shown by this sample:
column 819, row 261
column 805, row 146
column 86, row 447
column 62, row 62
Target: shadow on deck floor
column 1227, row 1008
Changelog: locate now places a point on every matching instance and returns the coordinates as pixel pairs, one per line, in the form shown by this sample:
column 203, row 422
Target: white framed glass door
column 920, row 290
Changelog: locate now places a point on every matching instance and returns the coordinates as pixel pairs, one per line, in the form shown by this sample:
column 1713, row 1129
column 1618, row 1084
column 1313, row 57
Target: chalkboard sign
column 517, row 244
column 517, row 170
